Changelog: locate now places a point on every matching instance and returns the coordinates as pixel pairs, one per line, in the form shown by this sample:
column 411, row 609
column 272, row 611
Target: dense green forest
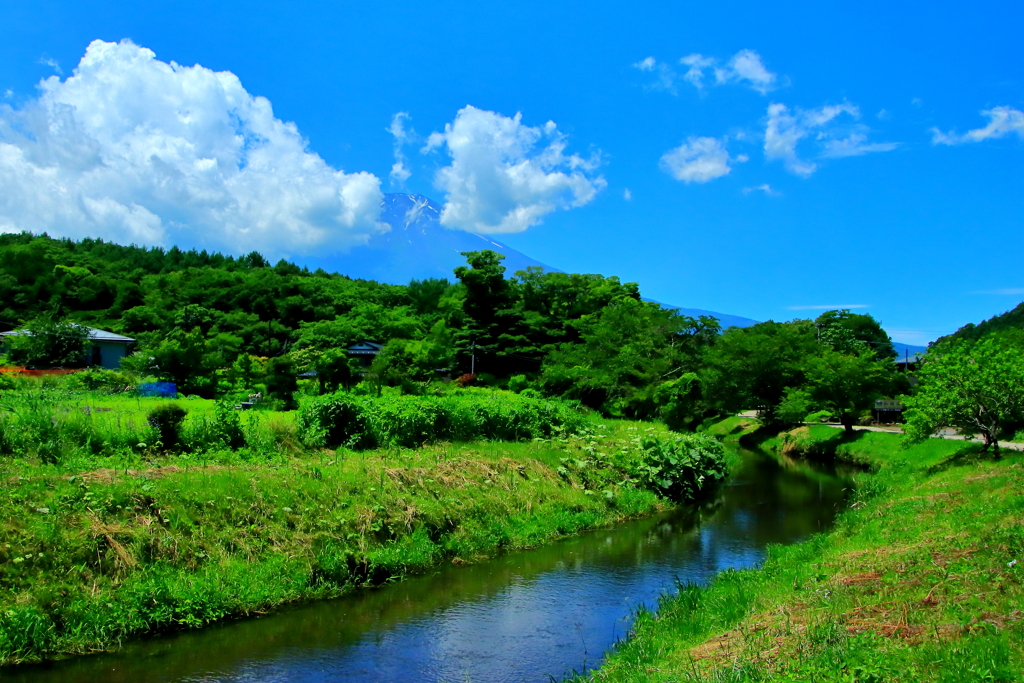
column 216, row 324
column 1010, row 320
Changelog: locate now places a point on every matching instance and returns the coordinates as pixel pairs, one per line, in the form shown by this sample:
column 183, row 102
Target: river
column 524, row 616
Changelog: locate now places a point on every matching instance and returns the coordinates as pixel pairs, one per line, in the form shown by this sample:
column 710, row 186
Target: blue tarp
column 159, row 389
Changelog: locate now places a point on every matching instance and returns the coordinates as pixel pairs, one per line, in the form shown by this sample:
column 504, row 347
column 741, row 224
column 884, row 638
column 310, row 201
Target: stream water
column 524, row 616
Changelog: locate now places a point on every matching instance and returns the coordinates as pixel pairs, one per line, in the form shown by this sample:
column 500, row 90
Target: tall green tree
column 975, row 387
column 844, row 383
column 487, row 305
column 751, row 368
column 841, row 327
column 627, row 350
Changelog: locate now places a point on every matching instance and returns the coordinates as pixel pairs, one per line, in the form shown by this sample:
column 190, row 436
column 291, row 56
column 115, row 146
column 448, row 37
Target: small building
column 365, row 351
column 105, row 351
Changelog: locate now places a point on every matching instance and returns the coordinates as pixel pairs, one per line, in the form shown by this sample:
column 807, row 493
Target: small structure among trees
column 50, row 343
column 365, row 352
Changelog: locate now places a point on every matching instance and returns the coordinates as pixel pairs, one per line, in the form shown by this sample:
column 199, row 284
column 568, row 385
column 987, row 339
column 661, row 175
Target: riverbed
column 524, row 616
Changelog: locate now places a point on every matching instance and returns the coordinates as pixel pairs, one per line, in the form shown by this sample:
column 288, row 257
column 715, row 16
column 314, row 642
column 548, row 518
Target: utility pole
column 472, row 358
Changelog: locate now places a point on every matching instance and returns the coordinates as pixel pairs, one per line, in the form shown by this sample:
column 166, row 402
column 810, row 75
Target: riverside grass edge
column 102, row 544
column 921, row 579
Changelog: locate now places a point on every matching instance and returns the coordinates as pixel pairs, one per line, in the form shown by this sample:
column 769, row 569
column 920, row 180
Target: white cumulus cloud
column 505, row 176
column 134, row 149
column 698, row 160
column 1001, row 121
column 833, row 129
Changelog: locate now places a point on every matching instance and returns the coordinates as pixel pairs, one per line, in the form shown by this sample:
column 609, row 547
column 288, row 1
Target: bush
column 680, row 468
column 819, row 416
column 222, row 430
column 344, row 419
column 166, row 419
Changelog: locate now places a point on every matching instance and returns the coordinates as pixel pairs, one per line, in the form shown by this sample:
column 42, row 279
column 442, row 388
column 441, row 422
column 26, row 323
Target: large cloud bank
column 133, row 149
column 505, row 176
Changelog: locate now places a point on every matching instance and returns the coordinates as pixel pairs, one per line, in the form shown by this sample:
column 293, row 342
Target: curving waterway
column 525, row 616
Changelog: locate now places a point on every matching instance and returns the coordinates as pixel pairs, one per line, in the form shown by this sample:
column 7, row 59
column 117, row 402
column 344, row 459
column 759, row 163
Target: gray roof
column 94, row 334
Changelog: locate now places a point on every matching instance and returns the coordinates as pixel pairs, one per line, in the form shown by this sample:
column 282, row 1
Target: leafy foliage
column 166, row 419
column 976, row 387
column 361, row 422
column 48, row 342
column 680, row 468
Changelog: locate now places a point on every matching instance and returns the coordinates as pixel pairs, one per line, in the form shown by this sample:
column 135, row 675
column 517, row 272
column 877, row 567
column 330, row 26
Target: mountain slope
column 1009, row 320
column 418, row 247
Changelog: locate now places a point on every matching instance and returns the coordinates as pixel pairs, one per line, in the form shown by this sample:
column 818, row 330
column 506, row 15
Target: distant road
column 945, row 434
column 896, row 429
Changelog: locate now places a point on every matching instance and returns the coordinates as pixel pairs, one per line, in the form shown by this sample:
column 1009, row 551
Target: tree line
column 216, row 324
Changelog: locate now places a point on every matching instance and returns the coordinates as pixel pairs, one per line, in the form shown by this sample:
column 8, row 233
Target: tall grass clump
column 362, row 422
column 52, row 424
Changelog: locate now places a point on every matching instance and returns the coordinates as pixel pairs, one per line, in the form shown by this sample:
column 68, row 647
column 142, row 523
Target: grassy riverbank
column 920, row 580
column 95, row 549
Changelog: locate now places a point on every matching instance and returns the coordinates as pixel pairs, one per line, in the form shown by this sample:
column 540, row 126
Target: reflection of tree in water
column 764, row 504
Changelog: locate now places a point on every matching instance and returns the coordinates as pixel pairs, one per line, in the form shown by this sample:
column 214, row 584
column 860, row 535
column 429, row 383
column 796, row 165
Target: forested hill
column 138, row 290
column 1013, row 319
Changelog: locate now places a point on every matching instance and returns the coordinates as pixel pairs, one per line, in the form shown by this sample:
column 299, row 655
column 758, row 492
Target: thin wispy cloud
column 52, row 63
column 1002, row 292
column 765, row 188
column 627, row 195
column 827, row 307
column 665, row 76
column 400, row 169
column 1002, row 121
column 832, row 130
column 744, row 68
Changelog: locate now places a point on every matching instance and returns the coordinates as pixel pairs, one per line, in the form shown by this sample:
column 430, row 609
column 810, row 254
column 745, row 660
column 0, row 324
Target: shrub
column 166, row 419
column 679, row 468
column 819, row 416
column 221, row 430
column 344, row 419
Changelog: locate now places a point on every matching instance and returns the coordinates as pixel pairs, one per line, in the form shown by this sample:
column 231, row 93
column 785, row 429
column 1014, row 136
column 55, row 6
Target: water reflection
column 520, row 617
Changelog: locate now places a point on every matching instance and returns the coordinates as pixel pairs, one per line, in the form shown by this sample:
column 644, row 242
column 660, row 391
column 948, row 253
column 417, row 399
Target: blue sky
column 740, row 157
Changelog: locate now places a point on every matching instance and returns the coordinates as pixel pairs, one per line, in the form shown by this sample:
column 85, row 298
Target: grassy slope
column 95, row 551
column 917, row 582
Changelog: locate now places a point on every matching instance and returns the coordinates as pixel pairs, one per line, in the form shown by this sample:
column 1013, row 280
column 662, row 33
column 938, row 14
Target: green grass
column 916, row 582
column 733, row 427
column 100, row 546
